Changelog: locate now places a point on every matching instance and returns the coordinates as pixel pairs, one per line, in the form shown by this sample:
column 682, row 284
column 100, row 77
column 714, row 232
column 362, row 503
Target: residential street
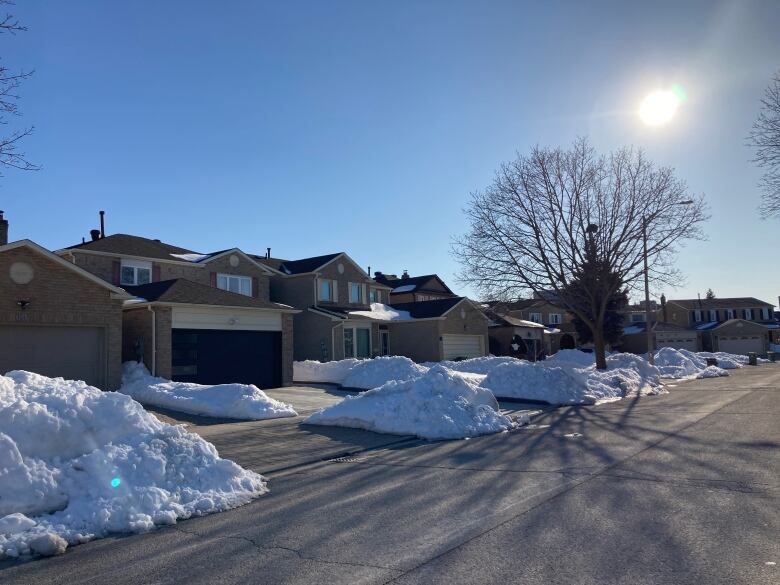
column 681, row 488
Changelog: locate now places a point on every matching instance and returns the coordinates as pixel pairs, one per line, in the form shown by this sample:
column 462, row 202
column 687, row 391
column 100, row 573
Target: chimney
column 268, row 252
column 102, row 224
column 3, row 229
column 405, row 275
column 94, row 234
column 663, row 307
column 377, row 273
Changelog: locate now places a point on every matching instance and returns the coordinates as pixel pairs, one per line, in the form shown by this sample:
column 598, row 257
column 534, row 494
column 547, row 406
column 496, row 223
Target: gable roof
column 415, row 282
column 133, row 246
column 119, row 292
column 301, row 266
column 725, row 303
column 504, row 320
column 428, row 309
column 181, row 290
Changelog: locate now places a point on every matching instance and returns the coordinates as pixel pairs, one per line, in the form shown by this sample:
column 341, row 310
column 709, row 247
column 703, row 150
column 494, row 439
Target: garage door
column 463, row 346
column 208, row 356
column 741, row 345
column 76, row 353
column 678, row 343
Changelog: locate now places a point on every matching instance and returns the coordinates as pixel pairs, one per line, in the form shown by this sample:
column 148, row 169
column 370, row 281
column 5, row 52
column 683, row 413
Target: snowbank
column 378, row 371
column 436, row 405
column 564, row 381
column 573, row 356
column 77, row 464
column 323, row 372
column 682, row 364
column 239, row 401
column 480, row 365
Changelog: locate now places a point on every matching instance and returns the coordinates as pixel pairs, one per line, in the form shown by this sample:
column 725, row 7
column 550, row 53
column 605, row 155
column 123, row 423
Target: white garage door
column 75, row 353
column 463, row 346
column 741, row 345
column 678, row 342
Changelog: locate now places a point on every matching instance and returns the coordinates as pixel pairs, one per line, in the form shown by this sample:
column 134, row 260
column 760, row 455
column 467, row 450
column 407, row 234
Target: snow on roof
column 405, row 288
column 192, row 257
column 632, row 329
column 134, row 301
column 552, row 331
column 382, row 312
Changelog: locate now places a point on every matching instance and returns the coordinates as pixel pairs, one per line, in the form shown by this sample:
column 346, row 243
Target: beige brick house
column 204, row 318
column 58, row 319
column 411, row 289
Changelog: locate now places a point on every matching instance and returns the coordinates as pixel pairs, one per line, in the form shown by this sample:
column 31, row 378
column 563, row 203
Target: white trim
column 239, row 277
column 231, row 307
column 473, row 306
column 119, row 292
column 224, row 319
column 344, row 255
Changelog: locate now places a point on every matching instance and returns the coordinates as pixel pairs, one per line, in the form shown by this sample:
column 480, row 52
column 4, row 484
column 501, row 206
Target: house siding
column 58, row 296
column 418, row 341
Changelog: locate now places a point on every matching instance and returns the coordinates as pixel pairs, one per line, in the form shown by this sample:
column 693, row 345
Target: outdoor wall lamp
column 23, row 304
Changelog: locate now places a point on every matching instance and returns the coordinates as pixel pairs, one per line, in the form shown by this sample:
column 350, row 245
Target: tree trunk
column 599, row 347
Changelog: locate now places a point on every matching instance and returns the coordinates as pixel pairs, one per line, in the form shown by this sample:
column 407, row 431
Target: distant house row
column 223, row 316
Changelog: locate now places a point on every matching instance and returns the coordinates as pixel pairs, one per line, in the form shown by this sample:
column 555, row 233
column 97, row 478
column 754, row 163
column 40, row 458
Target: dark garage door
column 75, row 353
column 209, row 356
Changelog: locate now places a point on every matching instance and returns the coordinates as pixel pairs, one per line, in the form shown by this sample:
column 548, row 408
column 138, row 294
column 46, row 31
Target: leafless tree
column 10, row 81
column 558, row 217
column 765, row 138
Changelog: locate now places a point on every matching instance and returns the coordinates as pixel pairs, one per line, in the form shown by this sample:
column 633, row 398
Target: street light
column 650, row 356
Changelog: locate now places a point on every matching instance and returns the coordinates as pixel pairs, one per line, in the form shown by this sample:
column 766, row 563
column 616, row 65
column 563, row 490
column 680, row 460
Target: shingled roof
column 128, row 245
column 417, row 283
column 300, row 266
column 428, row 309
column 184, row 291
column 724, row 303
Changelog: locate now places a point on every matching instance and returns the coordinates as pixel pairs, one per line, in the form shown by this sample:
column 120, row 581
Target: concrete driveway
column 681, row 488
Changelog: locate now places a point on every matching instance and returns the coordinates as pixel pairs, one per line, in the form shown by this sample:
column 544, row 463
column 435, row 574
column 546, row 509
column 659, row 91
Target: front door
column 384, row 343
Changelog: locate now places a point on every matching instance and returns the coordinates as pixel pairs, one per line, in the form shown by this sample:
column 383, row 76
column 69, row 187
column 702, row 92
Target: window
column 235, row 284
column 133, row 272
column 357, row 342
column 535, row 317
column 555, row 318
column 637, row 317
column 713, row 315
column 326, row 290
column 355, row 293
column 729, row 313
column 764, row 314
column 697, row 316
column 748, row 314
column 376, row 295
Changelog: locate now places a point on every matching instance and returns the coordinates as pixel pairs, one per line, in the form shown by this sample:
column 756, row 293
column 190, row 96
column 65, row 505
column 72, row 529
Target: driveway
column 680, row 488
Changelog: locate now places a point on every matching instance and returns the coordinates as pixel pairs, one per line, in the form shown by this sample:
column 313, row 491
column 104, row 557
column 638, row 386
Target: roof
column 133, row 246
column 415, row 282
column 120, row 293
column 725, row 303
column 666, row 326
column 514, row 321
column 181, row 290
column 428, row 309
column 518, row 305
column 301, row 266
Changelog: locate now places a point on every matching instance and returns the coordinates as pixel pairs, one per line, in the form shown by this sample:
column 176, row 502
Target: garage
column 209, row 356
column 462, row 346
column 741, row 345
column 76, row 353
column 677, row 341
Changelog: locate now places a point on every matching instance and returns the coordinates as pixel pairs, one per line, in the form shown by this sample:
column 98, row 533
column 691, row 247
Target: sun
column 659, row 107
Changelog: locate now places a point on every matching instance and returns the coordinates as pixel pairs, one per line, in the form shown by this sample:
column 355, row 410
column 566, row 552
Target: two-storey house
column 412, row 289
column 205, row 318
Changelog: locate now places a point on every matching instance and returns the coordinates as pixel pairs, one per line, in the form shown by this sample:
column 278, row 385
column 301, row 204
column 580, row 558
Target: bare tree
column 10, row 155
column 557, row 217
column 765, row 138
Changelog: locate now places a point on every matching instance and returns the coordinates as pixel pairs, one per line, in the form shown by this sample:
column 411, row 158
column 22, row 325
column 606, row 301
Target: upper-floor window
column 637, row 317
column 555, row 318
column 729, row 313
column 237, row 284
column 375, row 295
column 535, row 317
column 713, row 315
column 326, row 290
column 748, row 313
column 356, row 292
column 133, row 272
column 697, row 316
column 764, row 313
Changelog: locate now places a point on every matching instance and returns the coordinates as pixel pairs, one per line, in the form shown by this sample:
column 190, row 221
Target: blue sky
column 314, row 127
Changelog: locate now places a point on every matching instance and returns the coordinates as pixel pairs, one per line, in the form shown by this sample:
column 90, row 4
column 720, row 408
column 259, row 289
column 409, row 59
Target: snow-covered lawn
column 239, row 401
column 438, row 404
column 77, row 463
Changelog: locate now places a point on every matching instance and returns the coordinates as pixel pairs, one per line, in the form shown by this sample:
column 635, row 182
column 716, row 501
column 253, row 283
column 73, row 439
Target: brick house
column 204, row 318
column 410, row 289
column 56, row 318
column 558, row 330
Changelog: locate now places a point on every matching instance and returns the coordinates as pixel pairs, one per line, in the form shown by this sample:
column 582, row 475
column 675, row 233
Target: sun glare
column 659, row 107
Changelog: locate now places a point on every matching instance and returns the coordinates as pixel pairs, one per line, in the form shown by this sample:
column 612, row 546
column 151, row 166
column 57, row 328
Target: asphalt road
column 681, row 488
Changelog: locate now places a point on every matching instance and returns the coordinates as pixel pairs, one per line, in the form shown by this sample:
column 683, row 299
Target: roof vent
column 95, row 235
column 405, row 275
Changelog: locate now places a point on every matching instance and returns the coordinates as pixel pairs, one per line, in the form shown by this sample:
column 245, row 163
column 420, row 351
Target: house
column 325, row 289
column 515, row 337
column 57, row 319
column 204, row 318
column 558, row 332
column 410, row 289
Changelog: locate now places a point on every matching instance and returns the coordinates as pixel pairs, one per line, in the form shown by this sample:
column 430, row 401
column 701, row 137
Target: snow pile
column 378, row 371
column 77, row 464
column 564, row 381
column 239, row 401
column 383, row 312
column 573, row 356
column 437, row 405
column 479, row 365
column 682, row 364
column 324, row 372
